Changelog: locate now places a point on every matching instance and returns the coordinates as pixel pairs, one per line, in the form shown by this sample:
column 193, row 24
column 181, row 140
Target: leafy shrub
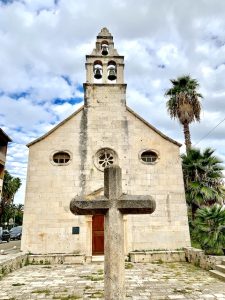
column 209, row 229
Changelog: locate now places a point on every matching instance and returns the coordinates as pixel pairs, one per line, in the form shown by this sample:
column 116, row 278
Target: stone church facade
column 69, row 160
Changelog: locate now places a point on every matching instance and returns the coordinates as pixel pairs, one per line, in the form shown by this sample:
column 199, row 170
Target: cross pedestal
column 113, row 205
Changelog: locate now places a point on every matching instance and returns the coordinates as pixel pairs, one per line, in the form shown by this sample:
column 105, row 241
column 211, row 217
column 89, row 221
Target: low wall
column 198, row 258
column 13, row 263
column 192, row 255
column 152, row 256
column 55, row 259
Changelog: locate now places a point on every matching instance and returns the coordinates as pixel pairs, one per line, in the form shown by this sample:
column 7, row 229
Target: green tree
column 203, row 178
column 18, row 219
column 14, row 212
column 10, row 187
column 209, row 229
column 184, row 103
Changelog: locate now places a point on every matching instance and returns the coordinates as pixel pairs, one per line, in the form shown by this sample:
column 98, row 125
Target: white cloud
column 42, row 53
column 66, row 109
column 22, row 113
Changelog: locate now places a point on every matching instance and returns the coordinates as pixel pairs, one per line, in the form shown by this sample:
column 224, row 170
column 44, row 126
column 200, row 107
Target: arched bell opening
column 105, row 48
column 97, row 69
column 112, row 71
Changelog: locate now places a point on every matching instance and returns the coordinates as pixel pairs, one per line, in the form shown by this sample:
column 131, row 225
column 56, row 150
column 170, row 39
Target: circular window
column 149, row 156
column 104, row 158
column 61, row 158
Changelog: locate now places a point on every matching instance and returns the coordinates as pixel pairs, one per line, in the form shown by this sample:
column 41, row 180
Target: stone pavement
column 155, row 281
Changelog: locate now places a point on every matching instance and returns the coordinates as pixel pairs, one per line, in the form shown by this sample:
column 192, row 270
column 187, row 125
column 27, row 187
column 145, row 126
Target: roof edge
column 54, row 128
column 5, row 135
column 153, row 128
column 80, row 109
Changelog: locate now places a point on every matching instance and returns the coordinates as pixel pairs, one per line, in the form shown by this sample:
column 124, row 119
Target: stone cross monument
column 113, row 205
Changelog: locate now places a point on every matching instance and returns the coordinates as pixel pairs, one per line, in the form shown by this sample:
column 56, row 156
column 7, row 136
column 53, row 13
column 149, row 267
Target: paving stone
column 176, row 297
column 171, row 281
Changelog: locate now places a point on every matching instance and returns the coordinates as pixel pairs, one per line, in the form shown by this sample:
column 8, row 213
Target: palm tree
column 10, row 187
column 203, row 178
column 18, row 217
column 184, row 103
column 209, row 228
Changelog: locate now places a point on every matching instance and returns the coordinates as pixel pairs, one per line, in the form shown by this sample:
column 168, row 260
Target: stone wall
column 48, row 222
column 105, row 121
column 160, row 256
column 198, row 258
column 56, row 259
column 13, row 263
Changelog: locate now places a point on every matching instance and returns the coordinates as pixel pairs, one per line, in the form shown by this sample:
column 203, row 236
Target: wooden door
column 98, row 235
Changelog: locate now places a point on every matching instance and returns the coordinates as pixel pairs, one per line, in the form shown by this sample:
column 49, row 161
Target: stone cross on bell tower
column 113, row 205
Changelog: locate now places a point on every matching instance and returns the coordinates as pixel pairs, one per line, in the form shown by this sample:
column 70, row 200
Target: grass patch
column 172, row 265
column 193, row 268
column 18, row 284
column 46, row 292
column 182, row 291
column 129, row 266
column 97, row 294
column 69, row 297
column 87, row 287
column 3, row 271
column 38, row 262
column 151, row 250
column 94, row 277
column 166, row 277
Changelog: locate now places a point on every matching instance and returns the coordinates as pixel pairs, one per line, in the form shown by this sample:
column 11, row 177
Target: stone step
column 223, row 262
column 97, row 258
column 220, row 268
column 217, row 274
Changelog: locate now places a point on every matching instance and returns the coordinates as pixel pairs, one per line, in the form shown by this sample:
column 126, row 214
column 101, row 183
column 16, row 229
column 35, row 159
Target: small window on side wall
column 149, row 156
column 61, row 158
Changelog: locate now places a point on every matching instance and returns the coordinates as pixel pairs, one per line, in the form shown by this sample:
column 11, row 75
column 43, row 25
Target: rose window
column 104, row 158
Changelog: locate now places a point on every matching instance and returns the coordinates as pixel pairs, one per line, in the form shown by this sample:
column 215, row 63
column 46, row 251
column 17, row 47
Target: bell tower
column 104, row 65
column 104, row 125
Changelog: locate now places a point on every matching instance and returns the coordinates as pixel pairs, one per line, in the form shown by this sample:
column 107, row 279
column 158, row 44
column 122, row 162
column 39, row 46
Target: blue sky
column 42, row 63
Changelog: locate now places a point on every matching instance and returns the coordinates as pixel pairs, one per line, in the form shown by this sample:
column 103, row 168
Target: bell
column 98, row 74
column 112, row 74
column 105, row 50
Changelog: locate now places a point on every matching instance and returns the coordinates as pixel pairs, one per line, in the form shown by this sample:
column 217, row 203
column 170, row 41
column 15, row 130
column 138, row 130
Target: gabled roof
column 6, row 137
column 81, row 108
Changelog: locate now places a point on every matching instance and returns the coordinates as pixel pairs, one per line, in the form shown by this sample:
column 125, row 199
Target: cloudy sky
column 43, row 44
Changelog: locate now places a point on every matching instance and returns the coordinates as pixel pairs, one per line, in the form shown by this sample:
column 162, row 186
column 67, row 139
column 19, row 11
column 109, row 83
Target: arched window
column 105, row 48
column 112, row 70
column 97, row 69
column 61, row 158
